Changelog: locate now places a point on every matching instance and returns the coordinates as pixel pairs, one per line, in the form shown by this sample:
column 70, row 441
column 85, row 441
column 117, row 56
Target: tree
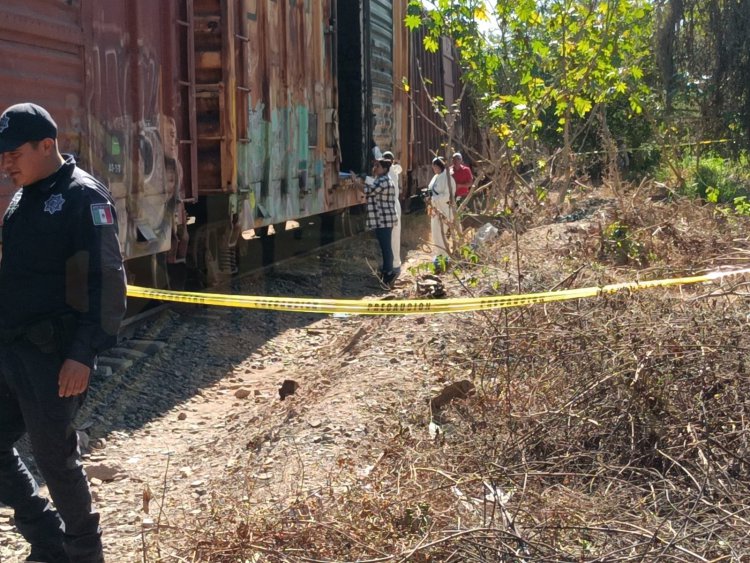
column 703, row 53
column 546, row 68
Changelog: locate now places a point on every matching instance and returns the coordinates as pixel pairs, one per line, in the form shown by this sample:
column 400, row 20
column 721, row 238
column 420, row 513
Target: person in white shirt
column 394, row 174
column 440, row 202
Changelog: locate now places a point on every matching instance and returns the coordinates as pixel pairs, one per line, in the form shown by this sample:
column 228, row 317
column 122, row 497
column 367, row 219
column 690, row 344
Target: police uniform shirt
column 61, row 257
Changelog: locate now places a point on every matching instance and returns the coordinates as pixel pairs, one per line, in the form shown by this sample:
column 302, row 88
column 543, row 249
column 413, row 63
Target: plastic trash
column 486, row 233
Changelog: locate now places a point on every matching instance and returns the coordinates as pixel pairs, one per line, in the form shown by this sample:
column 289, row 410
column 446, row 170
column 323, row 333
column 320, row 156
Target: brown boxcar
column 209, row 118
column 434, row 75
column 112, row 74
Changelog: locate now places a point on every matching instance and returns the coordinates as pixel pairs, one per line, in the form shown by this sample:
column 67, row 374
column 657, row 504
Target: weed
column 713, row 178
column 619, row 244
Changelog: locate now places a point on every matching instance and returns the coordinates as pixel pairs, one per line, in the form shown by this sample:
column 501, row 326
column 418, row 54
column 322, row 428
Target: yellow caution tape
column 647, row 148
column 410, row 306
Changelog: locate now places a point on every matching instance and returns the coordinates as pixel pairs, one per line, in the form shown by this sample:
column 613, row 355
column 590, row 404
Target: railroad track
column 306, row 261
column 338, row 269
column 275, row 251
column 173, row 354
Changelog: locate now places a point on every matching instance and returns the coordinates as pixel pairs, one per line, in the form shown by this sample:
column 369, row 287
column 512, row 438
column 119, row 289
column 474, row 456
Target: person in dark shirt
column 62, row 299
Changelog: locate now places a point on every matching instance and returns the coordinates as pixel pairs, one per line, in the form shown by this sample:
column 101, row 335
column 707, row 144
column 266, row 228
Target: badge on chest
column 53, row 204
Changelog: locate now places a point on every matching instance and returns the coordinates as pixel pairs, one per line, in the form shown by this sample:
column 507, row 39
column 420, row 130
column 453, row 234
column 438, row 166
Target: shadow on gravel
column 197, row 346
column 205, row 344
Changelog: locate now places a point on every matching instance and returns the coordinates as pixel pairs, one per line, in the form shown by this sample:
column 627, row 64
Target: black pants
column 383, row 234
column 29, row 402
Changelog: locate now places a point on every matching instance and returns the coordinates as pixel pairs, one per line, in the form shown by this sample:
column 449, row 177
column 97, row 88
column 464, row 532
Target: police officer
column 62, row 299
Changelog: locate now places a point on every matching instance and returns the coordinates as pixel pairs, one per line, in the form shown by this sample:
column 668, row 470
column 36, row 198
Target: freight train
column 213, row 120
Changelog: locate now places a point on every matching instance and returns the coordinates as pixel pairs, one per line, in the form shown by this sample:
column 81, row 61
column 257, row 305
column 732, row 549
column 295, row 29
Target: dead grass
column 613, row 429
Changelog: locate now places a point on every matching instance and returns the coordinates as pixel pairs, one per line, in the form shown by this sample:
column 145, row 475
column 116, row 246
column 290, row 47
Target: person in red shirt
column 462, row 176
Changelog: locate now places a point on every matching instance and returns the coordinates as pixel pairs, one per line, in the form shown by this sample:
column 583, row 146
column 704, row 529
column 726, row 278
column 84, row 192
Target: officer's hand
column 73, row 379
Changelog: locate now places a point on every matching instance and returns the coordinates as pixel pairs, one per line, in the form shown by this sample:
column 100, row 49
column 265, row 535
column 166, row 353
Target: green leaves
column 412, row 22
column 540, row 49
column 543, row 65
column 430, row 44
column 582, row 105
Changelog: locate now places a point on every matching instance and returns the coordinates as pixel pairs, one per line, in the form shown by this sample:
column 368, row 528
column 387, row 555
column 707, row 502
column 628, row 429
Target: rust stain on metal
column 41, row 60
column 133, row 135
column 229, row 107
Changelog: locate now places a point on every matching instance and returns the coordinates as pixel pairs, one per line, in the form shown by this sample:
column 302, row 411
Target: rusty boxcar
column 212, row 118
column 435, row 75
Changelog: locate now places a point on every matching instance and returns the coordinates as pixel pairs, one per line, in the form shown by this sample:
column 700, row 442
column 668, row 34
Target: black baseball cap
column 23, row 123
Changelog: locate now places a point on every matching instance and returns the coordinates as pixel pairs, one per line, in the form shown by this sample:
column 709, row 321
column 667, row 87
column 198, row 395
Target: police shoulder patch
column 101, row 213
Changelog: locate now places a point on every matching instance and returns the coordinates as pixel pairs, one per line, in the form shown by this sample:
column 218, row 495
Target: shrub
column 713, row 178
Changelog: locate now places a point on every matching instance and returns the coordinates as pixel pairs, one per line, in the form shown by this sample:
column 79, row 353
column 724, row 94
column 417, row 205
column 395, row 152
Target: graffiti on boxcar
column 384, row 125
column 231, row 108
column 134, row 145
column 279, row 167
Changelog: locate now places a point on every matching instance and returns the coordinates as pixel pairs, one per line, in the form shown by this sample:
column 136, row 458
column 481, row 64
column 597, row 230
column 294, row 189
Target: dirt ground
column 200, row 405
column 200, row 409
